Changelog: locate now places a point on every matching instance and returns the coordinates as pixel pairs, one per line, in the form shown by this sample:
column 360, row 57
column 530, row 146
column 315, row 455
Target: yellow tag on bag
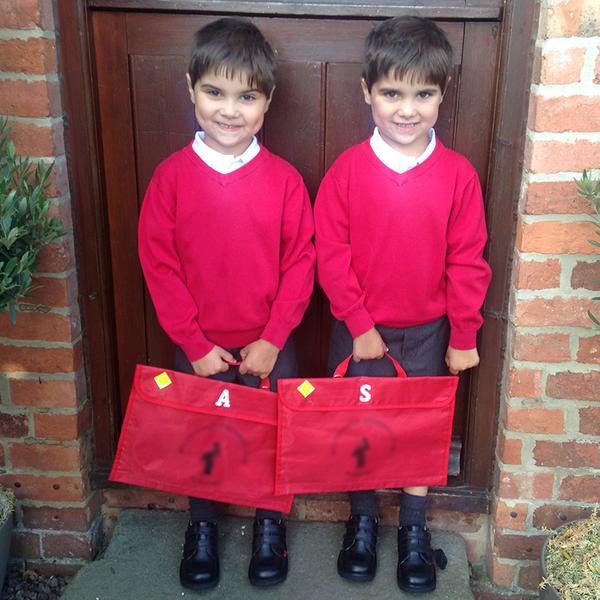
column 306, row 388
column 163, row 380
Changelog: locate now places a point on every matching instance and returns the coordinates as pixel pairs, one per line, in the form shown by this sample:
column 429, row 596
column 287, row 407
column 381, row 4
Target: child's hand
column 368, row 346
column 213, row 362
column 258, row 358
column 460, row 360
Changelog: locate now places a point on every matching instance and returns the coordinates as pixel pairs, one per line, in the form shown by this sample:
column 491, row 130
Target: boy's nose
column 406, row 108
column 229, row 107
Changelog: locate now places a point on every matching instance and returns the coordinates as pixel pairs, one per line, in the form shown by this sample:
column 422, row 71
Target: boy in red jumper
column 400, row 234
column 225, row 245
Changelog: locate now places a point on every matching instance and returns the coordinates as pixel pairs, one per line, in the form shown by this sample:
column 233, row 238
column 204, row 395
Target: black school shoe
column 417, row 560
column 199, row 568
column 269, row 562
column 357, row 560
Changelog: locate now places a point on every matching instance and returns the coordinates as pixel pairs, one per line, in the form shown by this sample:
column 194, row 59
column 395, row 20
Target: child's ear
column 365, row 89
column 445, row 88
column 190, row 88
column 269, row 100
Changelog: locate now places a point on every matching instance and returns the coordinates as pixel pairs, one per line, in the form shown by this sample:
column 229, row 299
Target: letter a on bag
column 223, row 399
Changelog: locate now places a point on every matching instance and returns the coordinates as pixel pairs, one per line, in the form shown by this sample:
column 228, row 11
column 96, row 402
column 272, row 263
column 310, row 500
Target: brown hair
column 411, row 47
column 233, row 46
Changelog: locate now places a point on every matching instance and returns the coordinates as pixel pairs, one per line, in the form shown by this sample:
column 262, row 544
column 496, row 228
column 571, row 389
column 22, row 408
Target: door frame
column 517, row 28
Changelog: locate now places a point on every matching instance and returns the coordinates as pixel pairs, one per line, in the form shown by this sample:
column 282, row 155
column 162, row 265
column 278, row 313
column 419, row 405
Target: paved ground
column 142, row 561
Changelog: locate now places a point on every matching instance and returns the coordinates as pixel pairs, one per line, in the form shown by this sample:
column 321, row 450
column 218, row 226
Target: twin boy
column 225, row 243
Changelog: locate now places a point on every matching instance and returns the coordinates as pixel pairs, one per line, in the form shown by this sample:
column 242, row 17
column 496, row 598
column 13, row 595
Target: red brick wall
column 548, row 453
column 44, row 408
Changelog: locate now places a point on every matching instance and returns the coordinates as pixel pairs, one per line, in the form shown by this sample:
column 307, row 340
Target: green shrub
column 589, row 188
column 25, row 227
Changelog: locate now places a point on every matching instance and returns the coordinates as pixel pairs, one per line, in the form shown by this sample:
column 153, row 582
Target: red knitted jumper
column 403, row 249
column 227, row 258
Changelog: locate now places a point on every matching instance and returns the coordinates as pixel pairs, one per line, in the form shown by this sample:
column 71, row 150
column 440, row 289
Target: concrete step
column 142, row 562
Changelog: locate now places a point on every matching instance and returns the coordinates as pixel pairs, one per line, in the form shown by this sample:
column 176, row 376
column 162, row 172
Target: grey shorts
column 421, row 350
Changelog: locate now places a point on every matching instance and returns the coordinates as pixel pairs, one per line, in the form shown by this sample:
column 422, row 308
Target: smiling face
column 229, row 110
column 404, row 111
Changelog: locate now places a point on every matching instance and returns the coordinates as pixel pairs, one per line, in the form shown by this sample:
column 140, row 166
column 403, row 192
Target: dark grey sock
column 412, row 509
column 263, row 513
column 363, row 503
column 203, row 510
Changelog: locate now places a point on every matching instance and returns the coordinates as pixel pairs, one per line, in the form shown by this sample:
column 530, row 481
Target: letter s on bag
column 365, row 392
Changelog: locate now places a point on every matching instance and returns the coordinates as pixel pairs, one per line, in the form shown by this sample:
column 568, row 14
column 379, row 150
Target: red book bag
column 359, row 433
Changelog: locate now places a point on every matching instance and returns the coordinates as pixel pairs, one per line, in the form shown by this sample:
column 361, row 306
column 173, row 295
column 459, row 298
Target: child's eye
column 214, row 93
column 248, row 97
column 391, row 94
column 424, row 95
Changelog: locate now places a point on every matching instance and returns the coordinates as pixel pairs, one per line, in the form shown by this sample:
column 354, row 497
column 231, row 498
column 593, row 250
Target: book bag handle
column 342, row 368
column 265, row 384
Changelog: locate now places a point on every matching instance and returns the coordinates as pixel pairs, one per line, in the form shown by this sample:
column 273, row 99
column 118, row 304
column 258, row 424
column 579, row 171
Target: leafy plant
column 7, row 503
column 572, row 560
column 589, row 188
column 25, row 227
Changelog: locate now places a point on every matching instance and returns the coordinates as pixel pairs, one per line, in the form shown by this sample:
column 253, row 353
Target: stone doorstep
column 142, row 561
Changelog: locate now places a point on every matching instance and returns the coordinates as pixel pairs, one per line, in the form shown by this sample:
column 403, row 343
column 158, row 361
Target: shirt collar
column 395, row 160
column 223, row 163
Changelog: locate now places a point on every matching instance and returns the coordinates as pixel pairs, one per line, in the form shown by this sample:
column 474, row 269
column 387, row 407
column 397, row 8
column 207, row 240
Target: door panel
column 317, row 112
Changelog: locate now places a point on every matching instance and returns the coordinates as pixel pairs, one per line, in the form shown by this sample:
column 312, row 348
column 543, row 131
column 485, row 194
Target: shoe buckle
column 440, row 558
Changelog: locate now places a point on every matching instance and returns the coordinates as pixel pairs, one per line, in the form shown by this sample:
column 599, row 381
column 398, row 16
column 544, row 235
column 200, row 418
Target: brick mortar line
column 558, row 218
column 530, row 438
column 68, row 562
column 29, row 77
column 44, row 159
column 567, row 137
column 62, row 411
column 60, row 275
column 588, row 70
column 567, row 266
column 47, row 345
column 39, row 121
column 46, row 442
column 549, row 329
column 45, row 533
column 49, row 533
column 559, row 177
column 553, row 403
column 538, row 503
column 8, row 33
column 567, row 43
column 554, row 368
column 82, row 473
column 565, row 90
column 52, row 503
column 33, row 375
column 560, row 472
column 574, row 346
column 574, row 293
column 38, row 472
column 65, row 311
column 573, row 425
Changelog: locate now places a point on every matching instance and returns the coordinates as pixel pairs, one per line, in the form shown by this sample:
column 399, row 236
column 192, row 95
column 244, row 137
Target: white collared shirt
column 396, row 160
column 223, row 163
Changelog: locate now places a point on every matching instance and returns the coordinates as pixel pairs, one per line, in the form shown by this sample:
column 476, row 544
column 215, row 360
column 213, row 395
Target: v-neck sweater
column 403, row 249
column 228, row 258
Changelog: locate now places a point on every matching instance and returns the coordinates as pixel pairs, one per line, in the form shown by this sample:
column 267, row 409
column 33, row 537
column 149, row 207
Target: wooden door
column 145, row 114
